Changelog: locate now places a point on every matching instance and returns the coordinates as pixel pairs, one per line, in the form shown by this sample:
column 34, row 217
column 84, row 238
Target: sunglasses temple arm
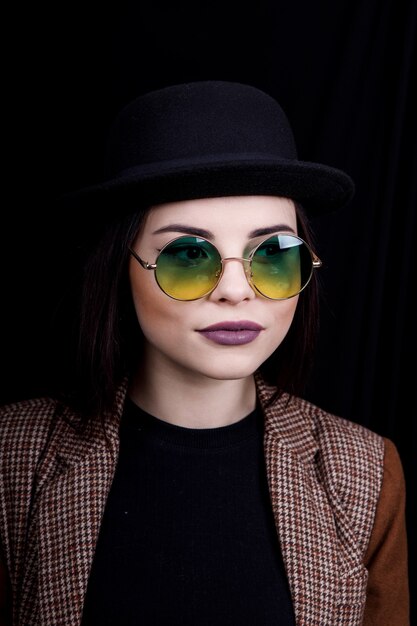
column 144, row 264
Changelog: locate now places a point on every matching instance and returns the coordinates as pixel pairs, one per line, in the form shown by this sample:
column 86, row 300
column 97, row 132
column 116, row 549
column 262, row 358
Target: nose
column 233, row 285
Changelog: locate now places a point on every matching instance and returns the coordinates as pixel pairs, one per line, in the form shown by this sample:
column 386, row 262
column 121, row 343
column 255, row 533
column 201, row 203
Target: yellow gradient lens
column 188, row 268
column 281, row 266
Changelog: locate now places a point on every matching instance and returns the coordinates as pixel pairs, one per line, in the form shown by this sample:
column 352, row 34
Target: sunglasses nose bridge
column 245, row 262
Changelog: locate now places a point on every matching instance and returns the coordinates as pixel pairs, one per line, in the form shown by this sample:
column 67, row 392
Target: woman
column 185, row 481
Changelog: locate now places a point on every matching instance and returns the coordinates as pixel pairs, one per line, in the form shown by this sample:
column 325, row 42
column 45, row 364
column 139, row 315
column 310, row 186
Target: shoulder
column 26, row 416
column 306, row 427
column 26, row 427
column 341, row 439
column 334, row 435
column 334, row 430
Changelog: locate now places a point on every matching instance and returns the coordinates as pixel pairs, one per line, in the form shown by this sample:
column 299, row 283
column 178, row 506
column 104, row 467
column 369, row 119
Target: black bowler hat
column 209, row 139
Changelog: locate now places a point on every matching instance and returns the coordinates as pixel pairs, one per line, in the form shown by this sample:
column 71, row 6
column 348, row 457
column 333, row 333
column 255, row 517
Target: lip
column 233, row 326
column 232, row 333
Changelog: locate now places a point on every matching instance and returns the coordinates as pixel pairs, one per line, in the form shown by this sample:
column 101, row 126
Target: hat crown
column 202, row 120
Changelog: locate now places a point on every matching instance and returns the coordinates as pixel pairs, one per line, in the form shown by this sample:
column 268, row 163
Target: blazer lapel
column 73, row 483
column 303, row 517
column 68, row 526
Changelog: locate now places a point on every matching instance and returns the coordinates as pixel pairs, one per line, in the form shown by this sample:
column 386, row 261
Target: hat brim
column 320, row 188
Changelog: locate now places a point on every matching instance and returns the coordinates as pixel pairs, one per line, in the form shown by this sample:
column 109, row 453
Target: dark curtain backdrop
column 344, row 72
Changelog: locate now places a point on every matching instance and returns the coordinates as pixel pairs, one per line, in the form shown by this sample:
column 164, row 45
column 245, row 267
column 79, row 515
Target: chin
column 230, row 372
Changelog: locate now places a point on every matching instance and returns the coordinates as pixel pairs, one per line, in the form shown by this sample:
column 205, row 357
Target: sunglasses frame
column 247, row 264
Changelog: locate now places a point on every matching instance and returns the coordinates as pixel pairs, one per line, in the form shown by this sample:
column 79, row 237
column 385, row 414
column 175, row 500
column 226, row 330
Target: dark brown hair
column 110, row 337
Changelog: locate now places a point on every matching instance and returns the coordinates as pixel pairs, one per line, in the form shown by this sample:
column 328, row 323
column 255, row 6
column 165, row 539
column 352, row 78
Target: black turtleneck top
column 188, row 536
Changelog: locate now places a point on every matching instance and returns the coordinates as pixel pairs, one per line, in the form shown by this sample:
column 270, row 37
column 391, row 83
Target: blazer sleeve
column 387, row 602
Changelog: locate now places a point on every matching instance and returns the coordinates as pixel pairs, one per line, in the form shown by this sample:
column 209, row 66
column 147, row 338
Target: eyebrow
column 207, row 234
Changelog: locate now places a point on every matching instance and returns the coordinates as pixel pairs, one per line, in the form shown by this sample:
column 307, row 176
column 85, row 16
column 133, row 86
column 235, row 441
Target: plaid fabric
column 324, row 474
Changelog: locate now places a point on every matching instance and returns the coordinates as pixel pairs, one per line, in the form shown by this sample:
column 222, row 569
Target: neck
column 192, row 400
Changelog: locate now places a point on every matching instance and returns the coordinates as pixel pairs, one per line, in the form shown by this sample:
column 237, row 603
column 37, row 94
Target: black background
column 343, row 71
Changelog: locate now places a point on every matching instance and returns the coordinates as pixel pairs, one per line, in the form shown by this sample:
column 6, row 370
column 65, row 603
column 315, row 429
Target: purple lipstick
column 232, row 333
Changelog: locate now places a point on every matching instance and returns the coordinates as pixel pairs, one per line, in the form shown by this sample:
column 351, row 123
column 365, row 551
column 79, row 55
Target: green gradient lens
column 281, row 266
column 188, row 268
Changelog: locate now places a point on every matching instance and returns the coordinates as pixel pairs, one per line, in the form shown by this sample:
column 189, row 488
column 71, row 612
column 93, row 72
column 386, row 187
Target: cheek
column 283, row 316
column 154, row 310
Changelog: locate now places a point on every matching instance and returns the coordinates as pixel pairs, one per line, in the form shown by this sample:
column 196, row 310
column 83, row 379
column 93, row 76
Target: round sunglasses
column 189, row 268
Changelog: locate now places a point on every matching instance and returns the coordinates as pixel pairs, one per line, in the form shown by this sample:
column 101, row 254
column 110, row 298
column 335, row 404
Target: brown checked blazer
column 337, row 493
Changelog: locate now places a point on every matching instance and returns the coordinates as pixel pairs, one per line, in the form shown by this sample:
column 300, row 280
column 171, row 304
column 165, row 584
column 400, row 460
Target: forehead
column 240, row 213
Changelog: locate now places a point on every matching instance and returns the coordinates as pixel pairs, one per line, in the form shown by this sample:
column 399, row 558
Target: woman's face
column 174, row 341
